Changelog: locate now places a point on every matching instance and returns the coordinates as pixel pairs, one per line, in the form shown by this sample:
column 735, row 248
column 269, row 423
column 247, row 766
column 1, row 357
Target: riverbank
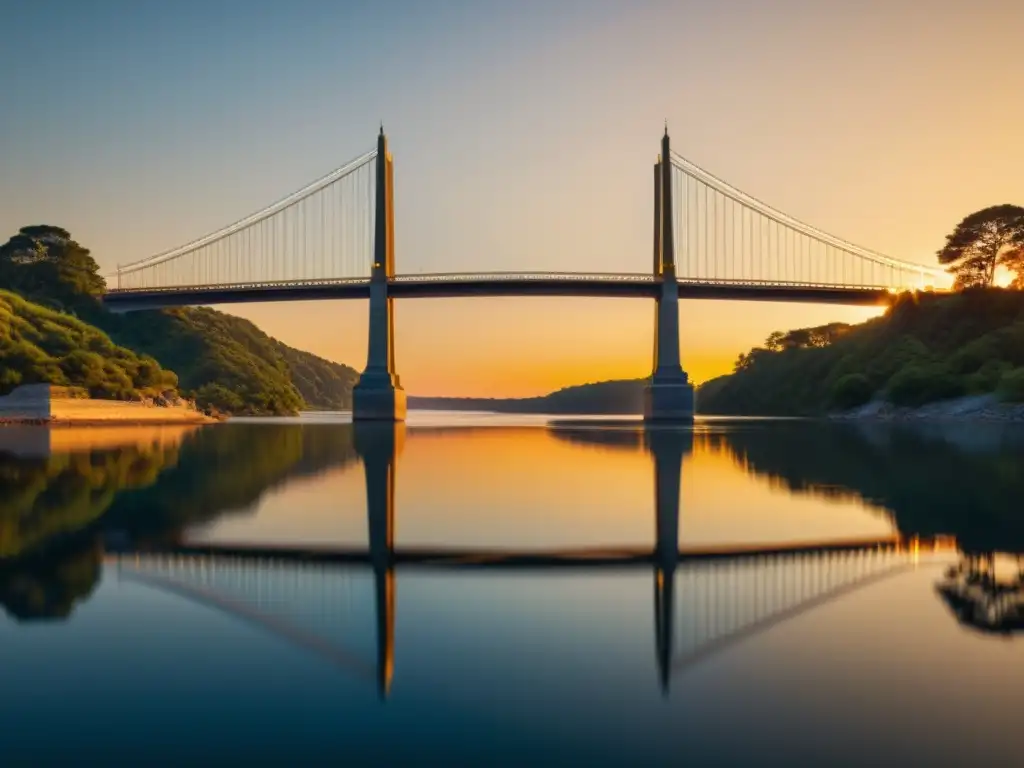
column 973, row 408
column 41, row 404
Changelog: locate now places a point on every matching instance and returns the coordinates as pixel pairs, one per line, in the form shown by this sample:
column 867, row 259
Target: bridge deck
column 494, row 285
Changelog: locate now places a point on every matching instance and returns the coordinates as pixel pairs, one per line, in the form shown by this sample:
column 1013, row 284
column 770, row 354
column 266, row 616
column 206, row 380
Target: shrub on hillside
column 42, row 346
column 851, row 391
column 986, row 379
column 919, row 384
column 1011, row 386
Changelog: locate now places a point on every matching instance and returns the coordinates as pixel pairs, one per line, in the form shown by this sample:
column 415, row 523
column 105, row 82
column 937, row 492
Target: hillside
column 41, row 345
column 926, row 347
column 229, row 363
column 324, row 385
column 221, row 361
column 605, row 397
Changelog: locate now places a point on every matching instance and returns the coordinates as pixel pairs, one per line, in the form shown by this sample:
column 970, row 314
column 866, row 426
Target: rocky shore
column 973, row 408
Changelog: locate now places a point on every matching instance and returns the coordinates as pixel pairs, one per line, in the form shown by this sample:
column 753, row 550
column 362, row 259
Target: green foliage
column 918, row 384
column 984, row 240
column 1011, row 385
column 851, row 391
column 227, row 363
column 323, row 385
column 802, row 338
column 39, row 345
column 927, row 347
column 45, row 265
column 986, row 379
column 222, row 361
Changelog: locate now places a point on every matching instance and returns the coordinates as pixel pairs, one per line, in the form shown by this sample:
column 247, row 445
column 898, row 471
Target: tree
column 981, row 242
column 774, row 341
column 44, row 264
column 852, row 391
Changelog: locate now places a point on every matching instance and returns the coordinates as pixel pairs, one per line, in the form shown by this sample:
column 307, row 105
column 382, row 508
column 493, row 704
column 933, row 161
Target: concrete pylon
column 379, row 395
column 668, row 395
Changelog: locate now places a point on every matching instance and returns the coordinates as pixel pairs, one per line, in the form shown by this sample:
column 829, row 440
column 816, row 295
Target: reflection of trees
column 225, row 469
column 980, row 599
column 594, row 434
column 43, row 497
column 52, row 509
column 963, row 480
column 157, row 491
column 48, row 586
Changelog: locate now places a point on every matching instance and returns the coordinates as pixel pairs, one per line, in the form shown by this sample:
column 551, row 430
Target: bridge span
column 494, row 284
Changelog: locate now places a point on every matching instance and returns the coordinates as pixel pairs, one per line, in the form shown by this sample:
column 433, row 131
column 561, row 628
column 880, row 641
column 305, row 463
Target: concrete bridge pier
column 378, row 395
column 668, row 395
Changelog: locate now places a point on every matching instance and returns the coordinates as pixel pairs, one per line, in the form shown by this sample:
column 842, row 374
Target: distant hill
column 619, row 397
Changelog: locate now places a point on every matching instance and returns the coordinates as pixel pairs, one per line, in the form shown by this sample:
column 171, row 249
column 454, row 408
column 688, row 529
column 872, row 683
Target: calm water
column 501, row 590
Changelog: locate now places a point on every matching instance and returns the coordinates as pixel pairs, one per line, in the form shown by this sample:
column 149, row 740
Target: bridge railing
column 524, row 276
column 241, row 286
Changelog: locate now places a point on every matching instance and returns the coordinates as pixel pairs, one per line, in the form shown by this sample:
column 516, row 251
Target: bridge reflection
column 705, row 599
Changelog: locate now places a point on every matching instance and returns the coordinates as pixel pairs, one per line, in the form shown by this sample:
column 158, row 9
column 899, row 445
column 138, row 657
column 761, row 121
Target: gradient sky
column 523, row 133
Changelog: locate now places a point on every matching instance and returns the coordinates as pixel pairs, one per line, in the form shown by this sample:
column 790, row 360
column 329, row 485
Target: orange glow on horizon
column 531, row 347
column 1003, row 277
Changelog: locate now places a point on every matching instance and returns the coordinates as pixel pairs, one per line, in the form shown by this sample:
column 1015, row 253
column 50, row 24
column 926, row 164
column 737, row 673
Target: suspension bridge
column 706, row 599
column 335, row 239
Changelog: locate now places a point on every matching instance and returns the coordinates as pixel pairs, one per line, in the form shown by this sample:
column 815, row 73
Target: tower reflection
column 667, row 447
column 379, row 445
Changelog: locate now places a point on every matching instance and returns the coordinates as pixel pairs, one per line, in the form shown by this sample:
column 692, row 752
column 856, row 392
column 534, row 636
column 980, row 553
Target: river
column 476, row 589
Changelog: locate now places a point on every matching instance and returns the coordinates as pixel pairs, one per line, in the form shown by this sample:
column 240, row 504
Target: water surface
column 483, row 589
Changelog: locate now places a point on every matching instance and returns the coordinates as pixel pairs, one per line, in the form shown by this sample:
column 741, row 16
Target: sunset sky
column 523, row 133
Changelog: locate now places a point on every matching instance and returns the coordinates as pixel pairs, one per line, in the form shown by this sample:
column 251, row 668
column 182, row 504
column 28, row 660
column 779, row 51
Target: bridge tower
column 378, row 395
column 668, row 395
